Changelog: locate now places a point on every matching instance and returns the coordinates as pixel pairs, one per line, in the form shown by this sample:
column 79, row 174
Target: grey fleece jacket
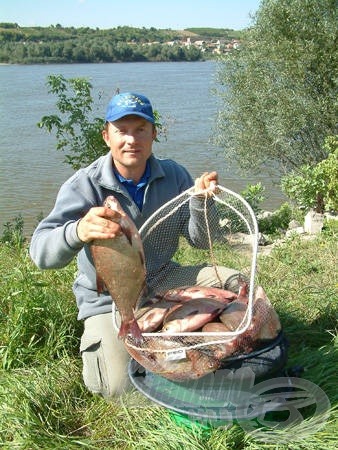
column 55, row 243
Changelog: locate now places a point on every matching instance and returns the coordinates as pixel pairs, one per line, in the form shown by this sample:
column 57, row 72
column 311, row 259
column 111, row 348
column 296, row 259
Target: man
column 142, row 183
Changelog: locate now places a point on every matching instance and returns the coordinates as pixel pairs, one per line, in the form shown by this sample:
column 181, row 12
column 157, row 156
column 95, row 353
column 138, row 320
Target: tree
column 80, row 53
column 279, row 88
column 78, row 134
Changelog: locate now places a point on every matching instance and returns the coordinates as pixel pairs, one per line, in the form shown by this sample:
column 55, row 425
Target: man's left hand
column 208, row 180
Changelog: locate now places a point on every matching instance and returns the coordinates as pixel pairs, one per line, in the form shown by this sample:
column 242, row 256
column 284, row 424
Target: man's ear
column 105, row 137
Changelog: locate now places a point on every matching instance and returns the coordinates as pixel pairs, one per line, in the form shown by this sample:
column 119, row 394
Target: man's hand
column 208, row 180
column 99, row 223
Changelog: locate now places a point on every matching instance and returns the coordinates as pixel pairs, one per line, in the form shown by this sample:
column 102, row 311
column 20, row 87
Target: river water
column 32, row 169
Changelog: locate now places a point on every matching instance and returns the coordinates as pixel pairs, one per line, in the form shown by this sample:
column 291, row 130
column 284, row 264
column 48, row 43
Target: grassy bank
column 43, row 404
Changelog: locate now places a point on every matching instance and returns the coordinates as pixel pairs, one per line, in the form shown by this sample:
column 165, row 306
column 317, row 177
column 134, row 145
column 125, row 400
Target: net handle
column 254, row 244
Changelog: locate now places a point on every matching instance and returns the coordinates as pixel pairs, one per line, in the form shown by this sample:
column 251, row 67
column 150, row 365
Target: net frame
column 249, row 219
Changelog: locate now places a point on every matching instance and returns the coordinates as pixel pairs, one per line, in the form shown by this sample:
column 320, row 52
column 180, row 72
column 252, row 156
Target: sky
column 103, row 14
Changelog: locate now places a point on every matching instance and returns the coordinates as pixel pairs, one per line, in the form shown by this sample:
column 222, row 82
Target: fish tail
column 131, row 327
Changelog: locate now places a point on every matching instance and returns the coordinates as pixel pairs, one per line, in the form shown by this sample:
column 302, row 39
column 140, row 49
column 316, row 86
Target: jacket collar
column 107, row 178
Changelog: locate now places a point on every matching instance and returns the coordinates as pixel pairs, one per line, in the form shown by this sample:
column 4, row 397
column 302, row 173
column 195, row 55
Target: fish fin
column 243, row 288
column 127, row 232
column 142, row 296
column 131, row 327
column 133, row 239
column 192, row 313
column 243, row 292
column 100, row 286
column 142, row 257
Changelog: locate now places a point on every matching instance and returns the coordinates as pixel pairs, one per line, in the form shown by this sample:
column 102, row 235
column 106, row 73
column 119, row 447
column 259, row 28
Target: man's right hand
column 99, row 223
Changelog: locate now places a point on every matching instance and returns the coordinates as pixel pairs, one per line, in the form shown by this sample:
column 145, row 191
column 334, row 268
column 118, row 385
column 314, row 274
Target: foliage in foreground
column 44, row 405
column 316, row 186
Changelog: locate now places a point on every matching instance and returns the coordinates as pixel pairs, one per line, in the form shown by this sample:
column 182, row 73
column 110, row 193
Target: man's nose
column 130, row 138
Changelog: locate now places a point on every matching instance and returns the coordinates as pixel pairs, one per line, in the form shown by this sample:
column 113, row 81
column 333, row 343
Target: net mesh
column 225, row 222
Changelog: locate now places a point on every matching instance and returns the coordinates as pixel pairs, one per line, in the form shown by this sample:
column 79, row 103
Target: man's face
column 130, row 141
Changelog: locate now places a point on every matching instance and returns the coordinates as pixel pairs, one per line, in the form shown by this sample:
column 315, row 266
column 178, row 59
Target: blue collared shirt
column 136, row 191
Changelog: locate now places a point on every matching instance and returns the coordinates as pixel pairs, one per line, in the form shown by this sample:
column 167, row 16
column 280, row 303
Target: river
column 32, row 169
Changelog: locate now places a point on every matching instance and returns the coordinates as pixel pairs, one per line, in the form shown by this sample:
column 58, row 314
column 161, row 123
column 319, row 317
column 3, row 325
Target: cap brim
column 120, row 116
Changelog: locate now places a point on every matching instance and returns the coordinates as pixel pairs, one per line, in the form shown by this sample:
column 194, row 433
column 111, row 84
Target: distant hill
column 214, row 33
column 57, row 44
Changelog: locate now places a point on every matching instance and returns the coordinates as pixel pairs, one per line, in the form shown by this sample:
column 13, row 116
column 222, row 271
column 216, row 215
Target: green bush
column 254, row 195
column 12, row 234
column 272, row 224
column 316, row 186
column 276, row 222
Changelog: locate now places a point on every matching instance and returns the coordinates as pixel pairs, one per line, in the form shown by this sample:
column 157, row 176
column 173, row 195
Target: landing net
column 227, row 236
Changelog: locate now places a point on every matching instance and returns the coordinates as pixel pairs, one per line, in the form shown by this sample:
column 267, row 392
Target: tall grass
column 44, row 405
column 38, row 311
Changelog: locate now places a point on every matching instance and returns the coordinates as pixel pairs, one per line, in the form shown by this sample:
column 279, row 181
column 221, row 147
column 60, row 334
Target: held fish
column 192, row 315
column 119, row 263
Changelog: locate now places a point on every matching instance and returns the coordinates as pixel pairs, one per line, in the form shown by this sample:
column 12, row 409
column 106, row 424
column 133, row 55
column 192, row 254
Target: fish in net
column 231, row 326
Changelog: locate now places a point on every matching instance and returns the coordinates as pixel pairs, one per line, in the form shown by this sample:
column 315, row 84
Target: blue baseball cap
column 129, row 103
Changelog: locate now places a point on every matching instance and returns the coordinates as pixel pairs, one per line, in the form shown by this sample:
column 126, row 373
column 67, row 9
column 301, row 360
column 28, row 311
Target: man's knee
column 219, row 276
column 234, row 282
column 99, row 375
column 105, row 359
